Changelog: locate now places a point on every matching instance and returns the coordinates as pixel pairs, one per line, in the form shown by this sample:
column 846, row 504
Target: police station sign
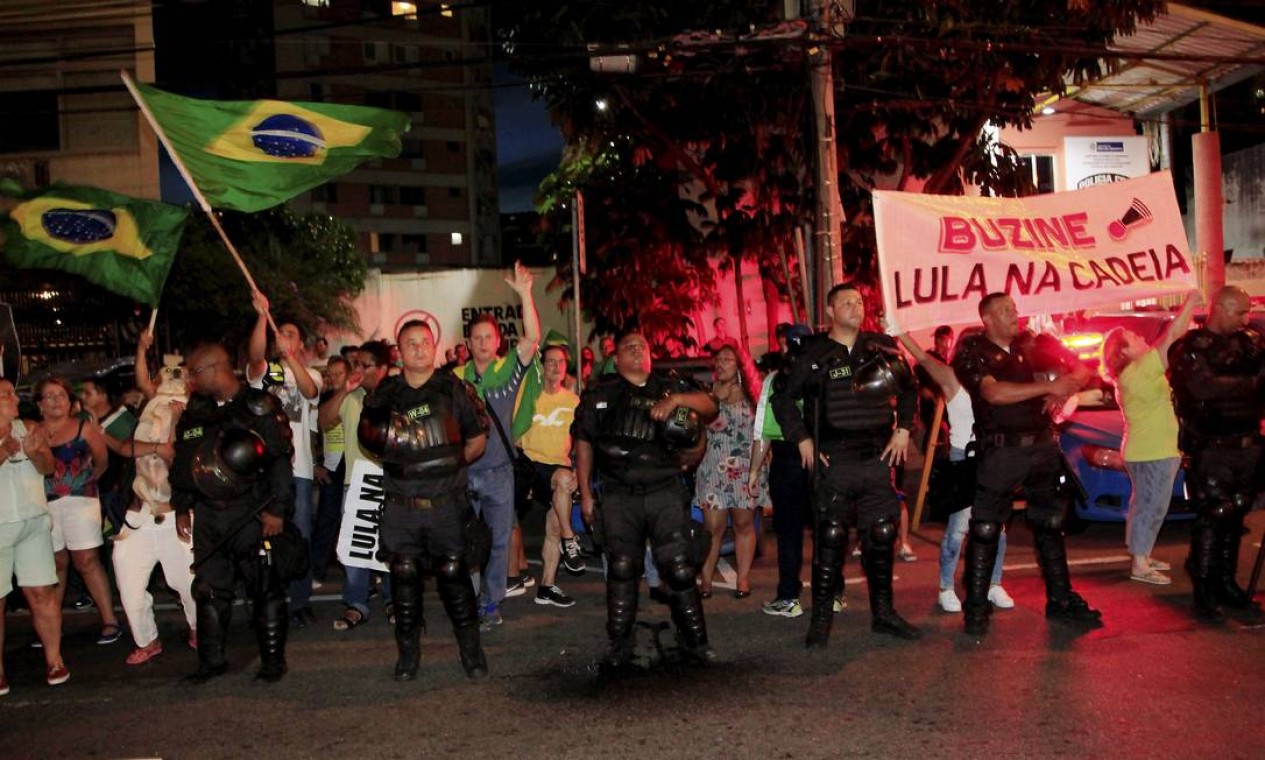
column 939, row 255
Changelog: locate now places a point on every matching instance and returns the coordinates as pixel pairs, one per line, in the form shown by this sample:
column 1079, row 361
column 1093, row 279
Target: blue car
column 1091, row 440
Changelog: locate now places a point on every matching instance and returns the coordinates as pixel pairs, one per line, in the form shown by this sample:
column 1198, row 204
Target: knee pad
column 449, row 567
column 202, row 591
column 985, row 531
column 404, row 569
column 623, row 567
column 1048, row 523
column 679, row 574
column 832, row 533
column 1207, row 489
column 883, row 533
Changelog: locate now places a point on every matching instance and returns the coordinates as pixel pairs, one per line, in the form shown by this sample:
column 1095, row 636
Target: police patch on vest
column 192, row 433
column 839, row 373
column 421, row 411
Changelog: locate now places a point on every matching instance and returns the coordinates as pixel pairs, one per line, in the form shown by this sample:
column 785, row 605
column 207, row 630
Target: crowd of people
column 237, row 479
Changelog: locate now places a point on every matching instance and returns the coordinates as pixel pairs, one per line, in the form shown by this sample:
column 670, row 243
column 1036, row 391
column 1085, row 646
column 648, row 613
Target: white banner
column 362, row 513
column 1060, row 252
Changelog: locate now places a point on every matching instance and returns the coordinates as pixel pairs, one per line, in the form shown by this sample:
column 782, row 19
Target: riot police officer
column 858, row 394
column 232, row 460
column 1018, row 446
column 426, row 427
column 641, row 430
column 1218, row 379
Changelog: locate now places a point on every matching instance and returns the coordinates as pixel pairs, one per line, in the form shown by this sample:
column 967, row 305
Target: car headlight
column 1099, row 456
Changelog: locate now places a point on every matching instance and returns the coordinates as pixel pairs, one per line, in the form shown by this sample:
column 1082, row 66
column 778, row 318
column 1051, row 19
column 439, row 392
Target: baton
column 232, row 531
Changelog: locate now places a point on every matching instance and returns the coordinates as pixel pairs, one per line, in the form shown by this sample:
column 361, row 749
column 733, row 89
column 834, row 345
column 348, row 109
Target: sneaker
column 840, row 604
column 110, row 633
column 790, row 608
column 949, row 602
column 58, row 675
column 529, row 580
column 82, row 603
column 906, row 554
column 572, row 559
column 515, row 587
column 145, row 654
column 489, row 617
column 553, row 595
column 1000, row 599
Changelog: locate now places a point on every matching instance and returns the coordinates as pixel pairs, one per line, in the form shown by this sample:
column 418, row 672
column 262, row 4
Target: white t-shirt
column 301, row 413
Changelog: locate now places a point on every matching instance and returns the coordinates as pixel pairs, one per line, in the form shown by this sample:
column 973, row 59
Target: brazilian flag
column 120, row 243
column 252, row 155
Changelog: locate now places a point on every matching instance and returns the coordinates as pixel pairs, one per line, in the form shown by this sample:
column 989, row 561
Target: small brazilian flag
column 122, row 244
column 252, row 155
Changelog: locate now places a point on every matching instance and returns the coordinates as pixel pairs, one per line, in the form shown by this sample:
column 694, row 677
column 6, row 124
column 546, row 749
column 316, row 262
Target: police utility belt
column 640, row 489
column 1000, row 440
column 418, row 503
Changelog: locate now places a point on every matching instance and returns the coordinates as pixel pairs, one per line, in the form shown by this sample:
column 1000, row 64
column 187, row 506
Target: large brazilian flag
column 252, row 155
column 122, row 244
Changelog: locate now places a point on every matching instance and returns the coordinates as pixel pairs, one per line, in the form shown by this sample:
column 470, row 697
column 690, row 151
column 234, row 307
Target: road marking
column 1110, row 560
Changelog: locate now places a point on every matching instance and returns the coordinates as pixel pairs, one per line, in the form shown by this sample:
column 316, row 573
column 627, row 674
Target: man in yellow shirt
column 547, row 443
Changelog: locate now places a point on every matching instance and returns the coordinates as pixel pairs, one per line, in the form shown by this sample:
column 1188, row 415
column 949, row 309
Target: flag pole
column 193, row 186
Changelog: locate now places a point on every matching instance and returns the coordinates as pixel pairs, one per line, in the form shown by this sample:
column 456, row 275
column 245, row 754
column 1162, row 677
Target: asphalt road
column 1151, row 683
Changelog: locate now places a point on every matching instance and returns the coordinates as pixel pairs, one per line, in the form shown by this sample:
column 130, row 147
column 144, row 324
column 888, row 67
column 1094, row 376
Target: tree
column 719, row 107
column 307, row 265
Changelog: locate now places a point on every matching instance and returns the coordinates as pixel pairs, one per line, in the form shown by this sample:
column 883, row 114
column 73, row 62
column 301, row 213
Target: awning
column 1164, row 63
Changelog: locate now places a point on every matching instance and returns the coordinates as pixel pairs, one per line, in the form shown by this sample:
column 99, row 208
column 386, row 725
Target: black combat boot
column 457, row 593
column 691, row 626
column 1202, row 563
column 981, row 555
column 272, row 624
column 829, row 544
column 213, row 616
column 1061, row 602
column 621, row 615
column 878, row 553
column 1229, row 537
column 406, row 598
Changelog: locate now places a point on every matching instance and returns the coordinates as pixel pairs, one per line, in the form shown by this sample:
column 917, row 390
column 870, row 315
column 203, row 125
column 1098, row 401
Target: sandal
column 110, row 633
column 1152, row 576
column 351, row 618
column 1158, row 564
column 742, row 593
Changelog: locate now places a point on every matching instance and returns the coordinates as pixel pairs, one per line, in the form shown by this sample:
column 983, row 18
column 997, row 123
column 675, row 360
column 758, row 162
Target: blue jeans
column 356, row 587
column 1148, row 506
column 301, row 590
column 492, row 493
column 951, row 549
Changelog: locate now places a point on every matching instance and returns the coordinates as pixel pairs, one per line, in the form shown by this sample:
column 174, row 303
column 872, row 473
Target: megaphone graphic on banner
column 1137, row 215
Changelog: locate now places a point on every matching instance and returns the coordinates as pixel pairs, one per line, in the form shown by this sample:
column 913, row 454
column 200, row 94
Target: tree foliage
column 707, row 148
column 306, row 264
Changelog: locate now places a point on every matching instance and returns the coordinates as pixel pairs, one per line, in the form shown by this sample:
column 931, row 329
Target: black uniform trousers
column 1037, row 467
column 631, row 515
column 238, row 559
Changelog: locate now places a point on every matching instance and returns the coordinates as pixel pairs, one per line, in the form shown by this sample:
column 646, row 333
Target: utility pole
column 828, row 232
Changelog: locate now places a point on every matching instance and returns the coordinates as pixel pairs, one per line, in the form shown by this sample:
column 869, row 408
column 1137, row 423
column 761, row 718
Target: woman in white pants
column 149, row 536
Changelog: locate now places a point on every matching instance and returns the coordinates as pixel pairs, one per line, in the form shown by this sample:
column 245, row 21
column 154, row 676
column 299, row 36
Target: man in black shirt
column 640, row 431
column 1218, row 378
column 859, row 399
column 233, row 456
column 426, row 427
column 1018, row 446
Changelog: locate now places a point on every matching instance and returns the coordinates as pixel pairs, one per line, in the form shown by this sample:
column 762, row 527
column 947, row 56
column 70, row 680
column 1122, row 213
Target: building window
column 388, row 241
column 413, row 243
column 411, row 149
column 381, row 194
column 1040, row 169
column 413, row 196
column 327, row 193
column 454, row 192
column 453, row 146
column 316, row 3
column 32, row 122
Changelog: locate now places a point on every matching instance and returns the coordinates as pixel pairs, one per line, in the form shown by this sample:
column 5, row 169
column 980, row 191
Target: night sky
column 528, row 145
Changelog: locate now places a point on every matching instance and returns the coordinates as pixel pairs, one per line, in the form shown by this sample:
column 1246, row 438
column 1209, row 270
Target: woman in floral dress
column 721, row 483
